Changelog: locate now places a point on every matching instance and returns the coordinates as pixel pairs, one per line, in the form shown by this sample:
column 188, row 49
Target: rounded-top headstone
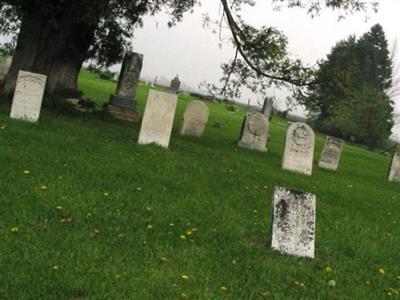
column 299, row 148
column 254, row 132
column 195, row 118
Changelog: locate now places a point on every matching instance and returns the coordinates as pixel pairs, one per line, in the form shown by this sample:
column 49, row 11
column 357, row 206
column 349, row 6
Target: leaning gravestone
column 293, row 226
column 267, row 108
column 122, row 105
column 195, row 118
column 254, row 132
column 299, row 149
column 158, row 118
column 394, row 174
column 28, row 96
column 331, row 153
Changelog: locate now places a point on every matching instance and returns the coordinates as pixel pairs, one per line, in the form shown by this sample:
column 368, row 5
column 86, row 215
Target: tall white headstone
column 293, row 226
column 28, row 96
column 331, row 153
column 299, row 149
column 158, row 118
column 254, row 132
column 195, row 118
column 394, row 174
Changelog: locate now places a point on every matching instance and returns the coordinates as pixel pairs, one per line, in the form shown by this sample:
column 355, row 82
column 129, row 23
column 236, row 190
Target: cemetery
column 82, row 199
column 117, row 187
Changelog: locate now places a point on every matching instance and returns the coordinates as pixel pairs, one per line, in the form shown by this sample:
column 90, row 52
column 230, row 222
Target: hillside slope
column 86, row 213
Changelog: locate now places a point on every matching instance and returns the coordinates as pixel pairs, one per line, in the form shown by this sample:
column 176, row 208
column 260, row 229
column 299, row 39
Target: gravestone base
column 252, row 146
column 123, row 108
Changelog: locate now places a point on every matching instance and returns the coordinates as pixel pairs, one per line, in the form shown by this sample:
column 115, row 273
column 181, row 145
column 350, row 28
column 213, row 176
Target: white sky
column 193, row 52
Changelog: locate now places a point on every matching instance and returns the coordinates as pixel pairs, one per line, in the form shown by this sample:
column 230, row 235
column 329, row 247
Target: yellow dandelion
column 171, row 224
column 381, row 271
column 185, row 277
column 106, row 194
column 189, row 232
column 27, row 172
column 67, row 220
column 398, row 277
column 55, row 267
column 223, row 288
column 43, row 187
column 163, row 258
column 194, row 229
column 183, row 237
column 149, row 226
column 14, row 229
column 59, row 207
column 96, row 231
column 148, row 208
column 139, row 188
column 183, row 295
column 328, row 269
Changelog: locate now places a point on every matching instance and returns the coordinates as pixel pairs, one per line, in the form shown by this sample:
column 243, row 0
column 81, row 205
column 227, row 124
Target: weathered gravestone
column 28, row 96
column 293, row 226
column 158, row 118
column 299, row 149
column 122, row 105
column 254, row 132
column 267, row 108
column 175, row 84
column 331, row 153
column 394, row 173
column 195, row 118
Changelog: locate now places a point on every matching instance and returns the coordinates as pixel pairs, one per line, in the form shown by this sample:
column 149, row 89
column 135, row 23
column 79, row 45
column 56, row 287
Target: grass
column 100, row 217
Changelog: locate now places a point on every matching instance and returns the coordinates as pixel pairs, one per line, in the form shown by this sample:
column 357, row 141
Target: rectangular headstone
column 299, row 149
column 394, row 174
column 158, row 118
column 28, row 96
column 293, row 227
column 331, row 153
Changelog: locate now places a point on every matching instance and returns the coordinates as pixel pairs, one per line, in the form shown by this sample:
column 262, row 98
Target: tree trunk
column 57, row 51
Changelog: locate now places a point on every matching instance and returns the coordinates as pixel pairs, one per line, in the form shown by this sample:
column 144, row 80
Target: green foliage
column 106, row 75
column 351, row 85
column 83, row 213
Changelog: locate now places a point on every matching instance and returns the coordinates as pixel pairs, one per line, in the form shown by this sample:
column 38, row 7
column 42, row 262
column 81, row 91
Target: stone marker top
column 130, row 73
column 267, row 107
column 195, row 118
column 394, row 173
column 175, row 84
column 293, row 228
column 331, row 153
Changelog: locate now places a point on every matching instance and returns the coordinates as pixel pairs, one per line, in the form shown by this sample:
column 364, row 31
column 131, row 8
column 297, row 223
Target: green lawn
column 100, row 217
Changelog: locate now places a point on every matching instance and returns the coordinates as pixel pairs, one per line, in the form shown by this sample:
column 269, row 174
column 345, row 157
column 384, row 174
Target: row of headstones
column 159, row 115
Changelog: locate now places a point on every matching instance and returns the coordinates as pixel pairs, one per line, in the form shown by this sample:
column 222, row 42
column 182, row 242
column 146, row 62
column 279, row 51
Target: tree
column 55, row 37
column 350, row 98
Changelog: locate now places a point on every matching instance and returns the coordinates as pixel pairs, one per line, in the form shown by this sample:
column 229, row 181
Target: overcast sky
column 193, row 52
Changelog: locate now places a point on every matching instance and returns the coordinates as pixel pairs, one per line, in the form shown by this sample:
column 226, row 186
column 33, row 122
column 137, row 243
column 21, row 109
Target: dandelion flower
column 148, row 208
column 381, row 271
column 55, row 268
column 106, row 194
column 96, row 231
column 183, row 237
column 43, row 187
column 163, row 258
column 27, row 172
column 149, row 226
column 223, row 288
column 59, row 207
column 139, row 188
column 328, row 269
column 185, row 277
column 14, row 229
column 171, row 224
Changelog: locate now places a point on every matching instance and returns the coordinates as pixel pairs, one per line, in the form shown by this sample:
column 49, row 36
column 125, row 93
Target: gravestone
column 158, row 118
column 267, row 108
column 28, row 96
column 394, row 174
column 175, row 84
column 299, row 149
column 254, row 132
column 195, row 118
column 331, row 153
column 122, row 105
column 293, row 226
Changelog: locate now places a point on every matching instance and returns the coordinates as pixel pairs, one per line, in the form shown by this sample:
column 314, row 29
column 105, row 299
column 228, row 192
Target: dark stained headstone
column 293, row 227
